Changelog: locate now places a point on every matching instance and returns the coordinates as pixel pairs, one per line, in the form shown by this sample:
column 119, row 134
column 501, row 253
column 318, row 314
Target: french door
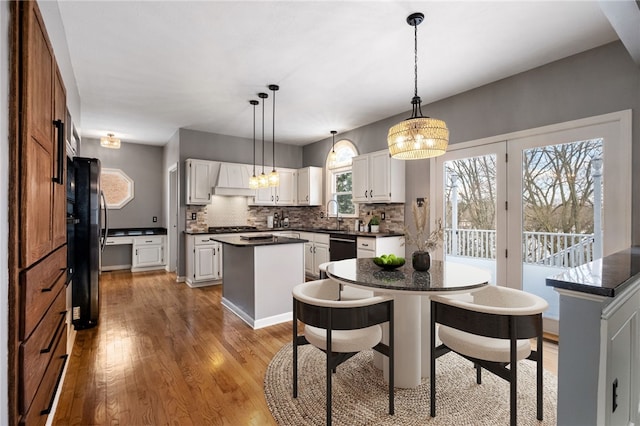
column 537, row 203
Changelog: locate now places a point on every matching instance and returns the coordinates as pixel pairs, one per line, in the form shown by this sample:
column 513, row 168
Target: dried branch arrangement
column 421, row 240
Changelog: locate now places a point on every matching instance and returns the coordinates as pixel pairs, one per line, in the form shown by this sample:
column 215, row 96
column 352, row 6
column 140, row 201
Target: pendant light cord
column 415, row 60
column 254, row 103
column 273, row 136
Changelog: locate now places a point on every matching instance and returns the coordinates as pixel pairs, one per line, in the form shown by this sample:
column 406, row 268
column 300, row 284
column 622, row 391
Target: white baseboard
column 202, row 283
column 256, row 324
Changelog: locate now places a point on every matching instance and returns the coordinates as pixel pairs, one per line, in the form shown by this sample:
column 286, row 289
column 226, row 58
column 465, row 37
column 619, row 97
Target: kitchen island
column 260, row 271
column 599, row 352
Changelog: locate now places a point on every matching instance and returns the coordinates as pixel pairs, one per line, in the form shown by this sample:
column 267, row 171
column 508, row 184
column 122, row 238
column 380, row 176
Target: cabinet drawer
column 204, row 240
column 367, row 243
column 43, row 400
column 39, row 286
column 114, row 241
column 321, row 238
column 36, row 352
column 145, row 241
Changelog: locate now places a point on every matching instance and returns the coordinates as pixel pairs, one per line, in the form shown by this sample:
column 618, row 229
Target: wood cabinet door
column 37, row 145
column 205, row 260
column 286, row 191
column 303, row 187
column 360, row 178
column 379, row 176
column 59, row 216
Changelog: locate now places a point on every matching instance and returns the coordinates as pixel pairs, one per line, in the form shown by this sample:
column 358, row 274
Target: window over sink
column 339, row 180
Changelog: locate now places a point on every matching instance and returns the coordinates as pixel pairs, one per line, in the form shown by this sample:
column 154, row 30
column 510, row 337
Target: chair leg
column 478, row 373
column 513, row 371
column 329, row 370
column 391, row 362
column 539, row 385
column 432, row 346
column 295, row 351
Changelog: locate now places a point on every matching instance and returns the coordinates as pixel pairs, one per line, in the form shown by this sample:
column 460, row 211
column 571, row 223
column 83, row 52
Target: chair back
column 315, row 304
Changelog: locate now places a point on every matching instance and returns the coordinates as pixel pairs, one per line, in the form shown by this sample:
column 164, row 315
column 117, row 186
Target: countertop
column 606, row 277
column 237, row 241
column 314, row 230
column 132, row 232
column 441, row 277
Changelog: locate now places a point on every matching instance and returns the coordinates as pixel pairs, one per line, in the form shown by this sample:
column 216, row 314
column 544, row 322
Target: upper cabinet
column 281, row 195
column 199, row 181
column 43, row 161
column 377, row 178
column 310, row 186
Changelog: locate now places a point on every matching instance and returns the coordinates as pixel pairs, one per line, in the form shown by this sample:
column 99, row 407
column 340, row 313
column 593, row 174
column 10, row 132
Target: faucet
column 337, row 213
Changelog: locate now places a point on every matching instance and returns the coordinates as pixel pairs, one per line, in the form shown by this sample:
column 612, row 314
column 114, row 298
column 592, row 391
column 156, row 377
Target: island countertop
column 240, row 241
column 605, row 277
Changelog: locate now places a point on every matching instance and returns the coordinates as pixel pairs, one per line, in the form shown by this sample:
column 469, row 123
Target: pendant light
column 263, row 181
column 333, row 157
column 110, row 141
column 253, row 180
column 418, row 136
column 274, row 178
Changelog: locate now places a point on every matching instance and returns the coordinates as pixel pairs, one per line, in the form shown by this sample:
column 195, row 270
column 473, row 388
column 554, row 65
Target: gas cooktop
column 230, row 229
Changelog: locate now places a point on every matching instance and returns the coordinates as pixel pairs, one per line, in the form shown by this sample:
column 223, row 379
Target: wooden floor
column 165, row 353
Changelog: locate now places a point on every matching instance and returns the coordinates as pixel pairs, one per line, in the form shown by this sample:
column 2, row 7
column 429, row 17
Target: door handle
column 59, row 179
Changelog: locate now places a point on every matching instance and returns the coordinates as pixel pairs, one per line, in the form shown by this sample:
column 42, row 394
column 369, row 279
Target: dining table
column 410, row 290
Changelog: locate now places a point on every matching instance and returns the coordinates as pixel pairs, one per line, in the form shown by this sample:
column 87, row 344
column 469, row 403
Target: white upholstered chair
column 490, row 327
column 340, row 328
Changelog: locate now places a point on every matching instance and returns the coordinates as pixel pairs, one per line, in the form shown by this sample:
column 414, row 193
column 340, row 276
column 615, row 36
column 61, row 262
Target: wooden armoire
column 37, row 212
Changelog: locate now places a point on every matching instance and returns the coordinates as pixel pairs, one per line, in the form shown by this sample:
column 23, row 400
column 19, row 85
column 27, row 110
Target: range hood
column 233, row 179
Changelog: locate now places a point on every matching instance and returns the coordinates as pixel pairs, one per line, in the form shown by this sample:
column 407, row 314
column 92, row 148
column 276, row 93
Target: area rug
column 360, row 393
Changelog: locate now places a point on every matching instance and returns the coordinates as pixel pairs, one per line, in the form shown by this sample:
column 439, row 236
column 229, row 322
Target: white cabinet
column 374, row 247
column 282, row 195
column 378, row 178
column 310, row 186
column 148, row 253
column 204, row 260
column 199, row 181
column 316, row 252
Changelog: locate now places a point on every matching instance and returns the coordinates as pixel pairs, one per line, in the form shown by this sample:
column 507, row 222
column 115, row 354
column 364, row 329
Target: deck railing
column 540, row 248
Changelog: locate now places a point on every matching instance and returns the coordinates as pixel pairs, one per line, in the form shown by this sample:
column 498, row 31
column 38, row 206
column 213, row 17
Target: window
column 339, row 183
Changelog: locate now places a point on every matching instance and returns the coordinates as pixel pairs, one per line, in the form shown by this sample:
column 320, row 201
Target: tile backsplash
column 228, row 211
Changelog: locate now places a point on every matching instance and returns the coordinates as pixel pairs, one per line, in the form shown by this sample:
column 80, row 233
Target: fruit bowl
column 390, row 264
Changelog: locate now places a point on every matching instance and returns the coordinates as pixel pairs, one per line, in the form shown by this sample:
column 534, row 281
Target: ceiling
column 146, row 68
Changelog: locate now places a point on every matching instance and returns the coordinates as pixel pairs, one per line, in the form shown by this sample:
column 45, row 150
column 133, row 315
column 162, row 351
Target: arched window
column 339, row 183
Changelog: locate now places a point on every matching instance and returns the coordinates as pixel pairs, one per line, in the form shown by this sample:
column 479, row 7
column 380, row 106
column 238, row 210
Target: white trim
column 328, row 181
column 581, row 295
column 260, row 323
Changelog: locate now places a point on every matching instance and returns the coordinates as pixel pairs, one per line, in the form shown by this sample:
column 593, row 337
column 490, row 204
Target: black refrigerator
column 89, row 242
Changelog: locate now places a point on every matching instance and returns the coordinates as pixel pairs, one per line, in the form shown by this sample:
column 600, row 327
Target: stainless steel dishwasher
column 342, row 246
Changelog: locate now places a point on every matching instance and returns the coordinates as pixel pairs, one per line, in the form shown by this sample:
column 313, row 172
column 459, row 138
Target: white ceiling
column 146, row 68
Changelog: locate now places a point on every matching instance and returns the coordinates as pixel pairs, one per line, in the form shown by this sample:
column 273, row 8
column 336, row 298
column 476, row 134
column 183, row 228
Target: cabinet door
column 286, row 191
column 148, row 256
column 199, row 183
column 205, row 261
column 321, row 252
column 264, row 197
column 38, row 138
column 59, row 216
column 360, row 176
column 309, row 260
column 303, row 187
column 379, row 176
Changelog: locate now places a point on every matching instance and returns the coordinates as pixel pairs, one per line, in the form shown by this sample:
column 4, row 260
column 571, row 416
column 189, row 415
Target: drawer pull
column 148, row 241
column 53, row 338
column 53, row 396
column 47, row 289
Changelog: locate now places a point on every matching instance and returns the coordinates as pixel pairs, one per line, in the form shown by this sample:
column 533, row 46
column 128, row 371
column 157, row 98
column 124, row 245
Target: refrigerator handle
column 106, row 221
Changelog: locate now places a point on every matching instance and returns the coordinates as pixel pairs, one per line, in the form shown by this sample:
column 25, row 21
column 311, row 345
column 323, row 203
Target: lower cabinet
column 373, row 247
column 147, row 253
column 204, row 261
column 316, row 252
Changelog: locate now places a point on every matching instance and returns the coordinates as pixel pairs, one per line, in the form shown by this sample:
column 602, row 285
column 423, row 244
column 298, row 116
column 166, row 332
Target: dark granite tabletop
column 238, row 241
column 314, row 230
column 441, row 277
column 132, row 232
column 605, row 277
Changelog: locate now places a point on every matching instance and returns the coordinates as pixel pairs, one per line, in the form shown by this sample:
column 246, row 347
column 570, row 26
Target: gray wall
column 143, row 164
column 595, row 82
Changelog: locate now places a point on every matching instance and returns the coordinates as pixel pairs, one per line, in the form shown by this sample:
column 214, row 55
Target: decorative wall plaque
column 117, row 188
